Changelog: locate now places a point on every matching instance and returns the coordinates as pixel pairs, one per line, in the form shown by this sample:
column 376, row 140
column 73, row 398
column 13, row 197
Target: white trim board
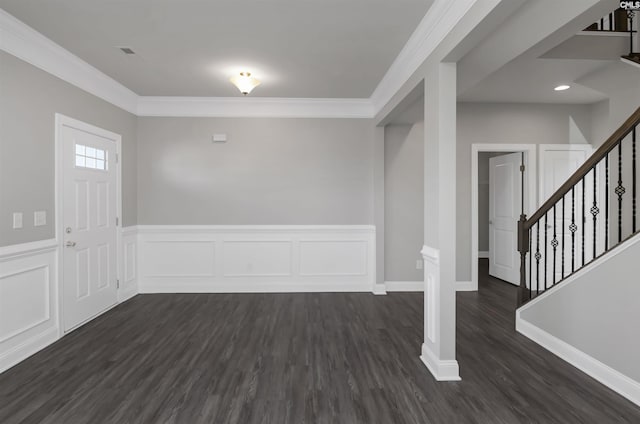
column 606, row 375
column 253, row 107
column 438, row 22
column 24, row 42
column 531, row 159
column 442, row 370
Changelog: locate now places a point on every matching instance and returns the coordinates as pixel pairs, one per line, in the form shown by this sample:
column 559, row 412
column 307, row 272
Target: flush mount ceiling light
column 562, row 87
column 245, row 82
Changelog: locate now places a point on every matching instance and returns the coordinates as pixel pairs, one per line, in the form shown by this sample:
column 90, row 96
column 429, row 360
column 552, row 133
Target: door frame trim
column 531, row 163
column 60, row 122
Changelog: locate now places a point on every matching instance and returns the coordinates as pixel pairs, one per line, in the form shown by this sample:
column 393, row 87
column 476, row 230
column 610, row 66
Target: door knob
column 71, row 244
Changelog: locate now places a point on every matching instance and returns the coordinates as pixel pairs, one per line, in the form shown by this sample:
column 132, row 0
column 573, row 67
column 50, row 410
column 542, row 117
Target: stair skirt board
column 606, row 375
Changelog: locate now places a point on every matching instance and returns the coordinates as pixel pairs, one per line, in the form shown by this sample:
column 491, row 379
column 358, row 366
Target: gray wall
column 507, row 124
column 598, row 314
column 29, row 99
column 404, row 204
column 270, row 171
column 621, row 84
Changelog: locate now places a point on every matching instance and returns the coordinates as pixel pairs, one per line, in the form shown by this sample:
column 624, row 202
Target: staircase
column 589, row 216
column 579, row 294
column 621, row 20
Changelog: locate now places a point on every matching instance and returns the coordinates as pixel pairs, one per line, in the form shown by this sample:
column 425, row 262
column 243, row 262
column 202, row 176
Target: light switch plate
column 419, row 264
column 17, row 220
column 39, row 218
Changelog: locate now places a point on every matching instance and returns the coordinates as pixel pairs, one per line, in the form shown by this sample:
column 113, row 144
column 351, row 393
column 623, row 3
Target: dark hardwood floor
column 299, row 358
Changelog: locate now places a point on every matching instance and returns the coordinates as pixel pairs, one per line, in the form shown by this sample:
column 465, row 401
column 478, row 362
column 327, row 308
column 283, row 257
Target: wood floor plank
column 300, row 358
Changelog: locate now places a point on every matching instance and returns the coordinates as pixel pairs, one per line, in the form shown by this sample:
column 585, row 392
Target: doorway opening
column 500, row 192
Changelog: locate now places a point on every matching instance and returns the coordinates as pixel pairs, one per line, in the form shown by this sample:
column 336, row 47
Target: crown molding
column 440, row 19
column 25, row 43
column 254, row 107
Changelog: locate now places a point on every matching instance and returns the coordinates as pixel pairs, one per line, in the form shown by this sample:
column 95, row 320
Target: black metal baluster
column 563, row 219
column 538, row 256
column 620, row 190
column 635, row 179
column 546, row 243
column 595, row 211
column 584, row 220
column 573, row 228
column 606, row 203
column 554, row 243
column 530, row 262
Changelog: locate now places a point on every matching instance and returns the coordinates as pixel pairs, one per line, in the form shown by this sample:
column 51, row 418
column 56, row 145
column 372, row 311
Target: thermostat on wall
column 219, row 138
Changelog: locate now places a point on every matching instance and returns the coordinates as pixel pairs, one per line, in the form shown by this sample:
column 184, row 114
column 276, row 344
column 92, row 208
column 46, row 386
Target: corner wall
column 404, row 204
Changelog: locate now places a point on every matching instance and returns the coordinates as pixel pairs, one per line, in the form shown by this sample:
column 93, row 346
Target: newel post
column 523, row 248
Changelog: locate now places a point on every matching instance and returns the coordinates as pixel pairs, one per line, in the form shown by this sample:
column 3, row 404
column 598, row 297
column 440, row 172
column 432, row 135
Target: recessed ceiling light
column 562, row 87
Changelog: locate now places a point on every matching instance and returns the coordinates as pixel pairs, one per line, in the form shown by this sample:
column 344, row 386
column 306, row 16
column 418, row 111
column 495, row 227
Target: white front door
column 505, row 202
column 89, row 223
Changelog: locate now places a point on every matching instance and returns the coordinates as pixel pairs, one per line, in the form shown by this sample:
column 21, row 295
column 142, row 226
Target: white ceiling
column 298, row 48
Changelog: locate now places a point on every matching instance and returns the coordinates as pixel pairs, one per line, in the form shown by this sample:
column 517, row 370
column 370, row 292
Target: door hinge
column 117, row 158
column 117, row 283
column 522, row 168
column 117, row 221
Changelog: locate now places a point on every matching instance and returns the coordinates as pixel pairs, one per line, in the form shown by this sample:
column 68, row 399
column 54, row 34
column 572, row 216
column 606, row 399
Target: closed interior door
column 89, row 221
column 561, row 242
column 505, row 199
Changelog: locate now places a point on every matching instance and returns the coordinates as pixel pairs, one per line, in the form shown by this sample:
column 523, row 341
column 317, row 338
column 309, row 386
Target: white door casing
column 87, row 226
column 505, row 204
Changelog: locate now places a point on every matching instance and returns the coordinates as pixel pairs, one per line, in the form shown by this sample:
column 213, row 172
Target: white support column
column 439, row 348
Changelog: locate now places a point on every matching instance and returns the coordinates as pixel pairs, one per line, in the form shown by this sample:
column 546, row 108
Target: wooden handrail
column 624, row 130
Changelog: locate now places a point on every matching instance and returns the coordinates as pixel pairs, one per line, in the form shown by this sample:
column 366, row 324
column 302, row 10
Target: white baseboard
column 466, row 286
column 380, row 289
column 606, row 375
column 442, row 370
column 405, row 286
column 483, row 255
column 246, row 286
column 28, row 348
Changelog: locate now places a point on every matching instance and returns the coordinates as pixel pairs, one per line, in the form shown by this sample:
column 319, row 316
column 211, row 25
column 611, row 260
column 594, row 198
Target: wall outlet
column 419, row 264
column 17, row 220
column 39, row 218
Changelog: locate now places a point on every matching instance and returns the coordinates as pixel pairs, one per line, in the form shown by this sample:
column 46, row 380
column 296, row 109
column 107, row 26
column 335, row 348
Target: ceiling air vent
column 127, row 50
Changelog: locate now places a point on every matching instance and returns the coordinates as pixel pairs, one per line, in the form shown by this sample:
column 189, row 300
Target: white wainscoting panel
column 228, row 259
column 28, row 300
column 129, row 274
